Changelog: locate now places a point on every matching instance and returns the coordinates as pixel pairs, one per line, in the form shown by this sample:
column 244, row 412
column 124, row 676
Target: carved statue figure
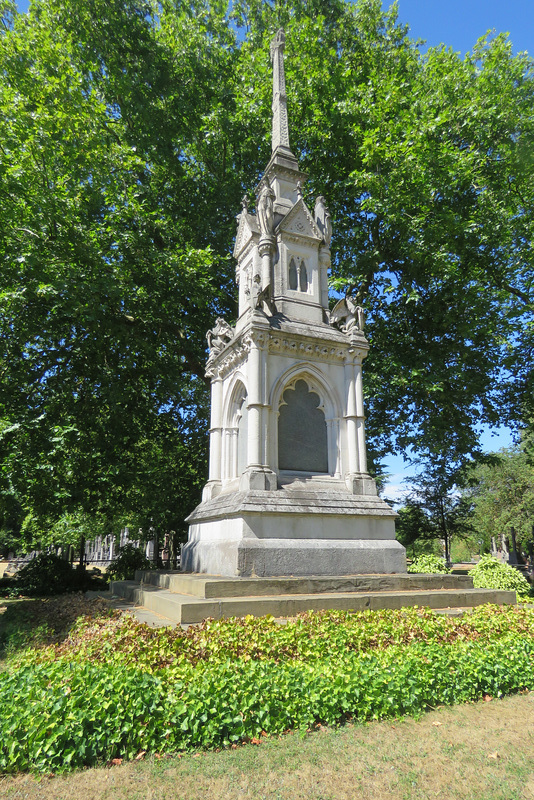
column 266, row 211
column 323, row 219
column 346, row 315
column 256, row 291
column 219, row 336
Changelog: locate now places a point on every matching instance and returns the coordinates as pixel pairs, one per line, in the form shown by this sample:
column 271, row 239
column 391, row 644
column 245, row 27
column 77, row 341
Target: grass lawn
column 479, row 751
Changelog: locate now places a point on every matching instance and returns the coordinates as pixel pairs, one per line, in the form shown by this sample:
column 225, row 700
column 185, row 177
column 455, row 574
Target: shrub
column 45, row 575
column 124, row 566
column 48, row 574
column 117, row 687
column 8, row 587
column 490, row 573
column 429, row 565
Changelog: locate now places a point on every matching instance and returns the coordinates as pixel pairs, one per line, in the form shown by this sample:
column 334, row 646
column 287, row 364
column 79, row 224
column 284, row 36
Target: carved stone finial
column 323, row 219
column 299, row 190
column 280, row 124
column 278, row 42
column 244, row 202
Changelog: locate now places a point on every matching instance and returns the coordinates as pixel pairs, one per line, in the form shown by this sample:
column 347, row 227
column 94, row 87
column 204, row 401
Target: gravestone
column 288, row 490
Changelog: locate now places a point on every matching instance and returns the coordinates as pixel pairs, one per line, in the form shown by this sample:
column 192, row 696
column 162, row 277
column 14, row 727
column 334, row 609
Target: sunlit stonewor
column 288, row 490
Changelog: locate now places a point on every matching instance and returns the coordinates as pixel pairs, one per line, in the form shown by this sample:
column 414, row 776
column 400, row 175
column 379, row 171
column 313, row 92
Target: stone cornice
column 316, row 344
column 303, row 348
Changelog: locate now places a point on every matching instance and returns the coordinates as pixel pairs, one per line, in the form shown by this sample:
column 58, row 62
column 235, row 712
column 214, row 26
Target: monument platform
column 187, row 599
column 288, row 532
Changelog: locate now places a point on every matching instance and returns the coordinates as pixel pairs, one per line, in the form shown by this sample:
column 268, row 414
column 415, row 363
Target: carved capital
column 255, row 338
column 266, row 246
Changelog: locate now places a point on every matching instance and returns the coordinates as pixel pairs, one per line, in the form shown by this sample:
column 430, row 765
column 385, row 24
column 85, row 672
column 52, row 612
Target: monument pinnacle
column 280, row 137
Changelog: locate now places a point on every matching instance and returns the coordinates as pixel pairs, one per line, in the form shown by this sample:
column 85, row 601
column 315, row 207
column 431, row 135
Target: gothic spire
column 280, row 139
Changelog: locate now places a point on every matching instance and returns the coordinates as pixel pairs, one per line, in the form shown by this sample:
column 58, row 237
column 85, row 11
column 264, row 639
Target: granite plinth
column 292, row 533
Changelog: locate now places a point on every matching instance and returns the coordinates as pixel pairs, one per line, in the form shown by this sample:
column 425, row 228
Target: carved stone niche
column 302, row 435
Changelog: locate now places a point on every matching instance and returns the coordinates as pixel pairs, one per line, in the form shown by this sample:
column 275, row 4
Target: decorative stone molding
column 266, row 246
column 235, row 358
column 293, row 346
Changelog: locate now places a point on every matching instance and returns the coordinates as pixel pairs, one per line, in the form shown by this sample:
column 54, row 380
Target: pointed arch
column 330, row 401
column 235, row 430
column 303, row 277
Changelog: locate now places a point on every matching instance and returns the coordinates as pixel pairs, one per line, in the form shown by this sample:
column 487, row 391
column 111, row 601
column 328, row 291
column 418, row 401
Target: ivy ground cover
column 114, row 688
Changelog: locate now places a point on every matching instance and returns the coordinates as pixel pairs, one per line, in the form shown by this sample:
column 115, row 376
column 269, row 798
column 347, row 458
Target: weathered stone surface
column 194, row 607
column 213, row 586
column 284, row 501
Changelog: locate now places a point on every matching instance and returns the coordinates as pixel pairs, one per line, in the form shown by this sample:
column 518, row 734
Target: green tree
column 415, row 530
column 108, row 288
column 435, row 511
column 501, row 495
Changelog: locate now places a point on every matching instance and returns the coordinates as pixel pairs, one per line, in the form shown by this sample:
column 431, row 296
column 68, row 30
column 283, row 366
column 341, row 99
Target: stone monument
column 288, row 490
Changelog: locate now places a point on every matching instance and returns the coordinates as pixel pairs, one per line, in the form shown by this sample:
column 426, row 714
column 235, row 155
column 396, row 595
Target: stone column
column 212, row 487
column 232, row 445
column 266, row 249
column 360, row 417
column 351, row 419
column 257, row 474
column 254, row 406
column 332, row 427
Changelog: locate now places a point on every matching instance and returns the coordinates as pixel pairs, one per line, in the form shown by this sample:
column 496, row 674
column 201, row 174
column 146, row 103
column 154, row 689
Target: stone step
column 211, row 587
column 188, row 609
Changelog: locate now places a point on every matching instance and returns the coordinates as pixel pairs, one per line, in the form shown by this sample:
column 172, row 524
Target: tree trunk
column 81, row 562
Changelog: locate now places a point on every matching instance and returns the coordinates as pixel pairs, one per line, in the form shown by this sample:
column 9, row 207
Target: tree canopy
column 501, row 496
column 129, row 131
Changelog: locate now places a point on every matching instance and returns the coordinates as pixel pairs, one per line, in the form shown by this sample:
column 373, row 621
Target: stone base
column 281, row 533
column 279, row 557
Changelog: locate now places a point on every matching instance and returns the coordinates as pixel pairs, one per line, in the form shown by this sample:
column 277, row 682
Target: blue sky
column 457, row 24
